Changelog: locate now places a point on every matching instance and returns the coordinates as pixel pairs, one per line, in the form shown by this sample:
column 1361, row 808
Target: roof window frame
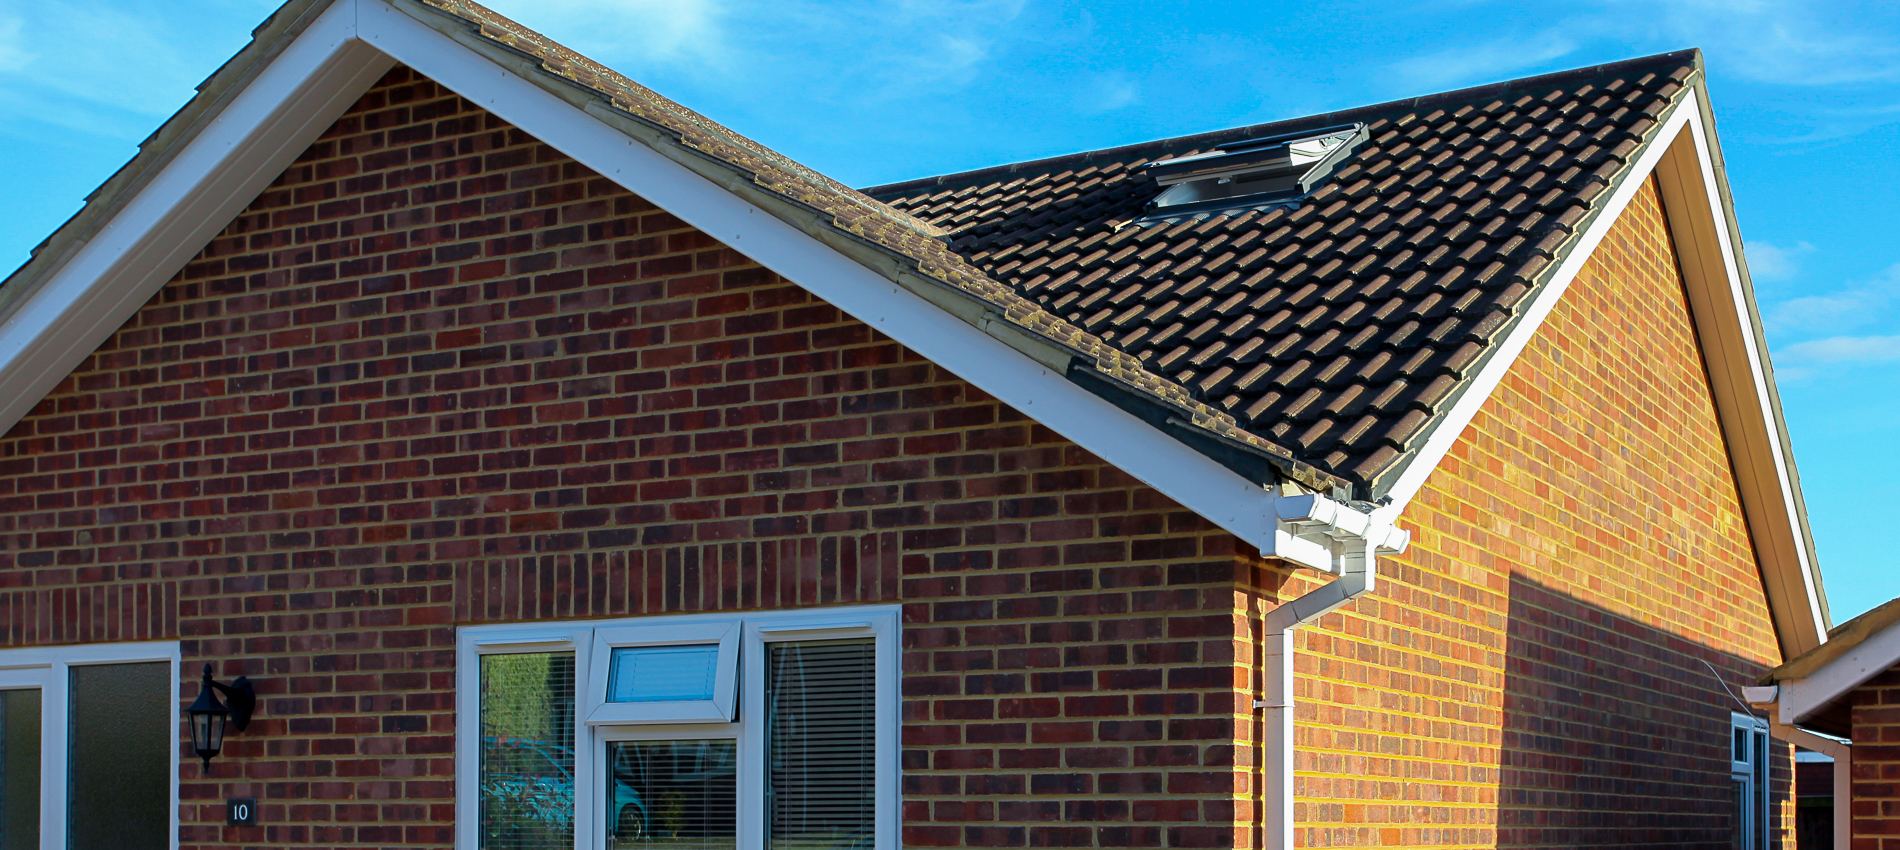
column 1250, row 160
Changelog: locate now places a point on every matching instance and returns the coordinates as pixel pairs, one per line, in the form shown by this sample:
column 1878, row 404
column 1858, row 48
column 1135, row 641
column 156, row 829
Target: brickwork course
column 440, row 375
column 1875, row 717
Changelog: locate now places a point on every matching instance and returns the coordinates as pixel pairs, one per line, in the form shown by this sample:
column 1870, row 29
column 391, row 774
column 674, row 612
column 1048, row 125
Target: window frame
column 49, row 669
column 591, row 641
column 1752, row 775
column 719, row 709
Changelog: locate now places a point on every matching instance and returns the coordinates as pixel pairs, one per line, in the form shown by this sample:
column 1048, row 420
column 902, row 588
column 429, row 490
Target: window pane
column 119, row 793
column 680, row 795
column 821, row 739
column 527, row 781
column 663, row 673
column 19, row 770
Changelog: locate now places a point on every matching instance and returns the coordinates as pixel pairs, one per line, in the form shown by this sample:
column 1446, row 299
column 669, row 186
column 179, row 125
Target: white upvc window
column 89, row 746
column 1748, row 775
column 683, row 673
column 755, row 731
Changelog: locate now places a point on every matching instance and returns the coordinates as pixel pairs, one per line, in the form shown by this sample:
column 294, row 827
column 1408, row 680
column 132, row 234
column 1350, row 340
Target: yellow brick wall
column 1531, row 672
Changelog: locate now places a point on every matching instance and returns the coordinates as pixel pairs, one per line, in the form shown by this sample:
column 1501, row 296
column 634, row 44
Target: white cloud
column 643, row 31
column 1792, row 47
column 1850, row 307
column 916, row 49
column 1832, row 124
column 1790, row 44
column 1844, row 350
column 1768, row 261
column 13, row 53
column 861, row 51
column 104, row 71
column 1482, row 63
column 1109, row 92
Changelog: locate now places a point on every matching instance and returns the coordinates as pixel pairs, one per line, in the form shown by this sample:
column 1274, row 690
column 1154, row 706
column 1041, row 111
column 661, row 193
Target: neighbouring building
column 1842, row 700
column 562, row 469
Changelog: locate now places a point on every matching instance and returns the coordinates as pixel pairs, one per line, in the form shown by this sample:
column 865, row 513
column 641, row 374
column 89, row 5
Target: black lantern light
column 209, row 716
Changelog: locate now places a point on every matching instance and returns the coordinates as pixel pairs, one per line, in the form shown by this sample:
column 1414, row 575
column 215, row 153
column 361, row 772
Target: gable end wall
column 1531, row 671
column 439, row 374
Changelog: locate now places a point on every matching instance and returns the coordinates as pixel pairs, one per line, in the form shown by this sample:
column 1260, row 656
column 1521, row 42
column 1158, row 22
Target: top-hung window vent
column 1251, row 173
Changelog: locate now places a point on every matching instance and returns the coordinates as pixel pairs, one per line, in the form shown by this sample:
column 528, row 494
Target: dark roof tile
column 1345, row 323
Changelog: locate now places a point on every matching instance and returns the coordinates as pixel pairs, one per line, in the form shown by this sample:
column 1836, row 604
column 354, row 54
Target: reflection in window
column 19, row 770
column 120, row 765
column 821, row 730
column 527, row 759
column 680, row 795
column 663, row 673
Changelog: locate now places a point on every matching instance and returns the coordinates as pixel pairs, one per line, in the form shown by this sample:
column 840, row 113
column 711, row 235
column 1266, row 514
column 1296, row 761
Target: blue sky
column 1807, row 99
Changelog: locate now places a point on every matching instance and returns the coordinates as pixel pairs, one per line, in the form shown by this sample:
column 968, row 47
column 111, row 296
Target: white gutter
column 1352, row 542
column 1766, row 698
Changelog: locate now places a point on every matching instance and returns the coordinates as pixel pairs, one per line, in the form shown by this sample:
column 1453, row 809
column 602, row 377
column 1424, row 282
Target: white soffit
column 1799, row 699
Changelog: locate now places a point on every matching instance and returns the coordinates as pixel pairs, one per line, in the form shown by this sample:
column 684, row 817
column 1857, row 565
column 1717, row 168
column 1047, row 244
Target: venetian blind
column 820, row 704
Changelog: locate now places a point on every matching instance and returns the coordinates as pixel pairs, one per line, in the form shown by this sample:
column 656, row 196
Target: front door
column 22, row 770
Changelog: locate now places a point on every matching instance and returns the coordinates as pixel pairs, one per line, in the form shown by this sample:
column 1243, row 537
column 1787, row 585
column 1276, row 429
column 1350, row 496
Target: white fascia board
column 1799, row 699
column 1679, row 152
column 315, row 78
column 1751, row 426
column 211, row 179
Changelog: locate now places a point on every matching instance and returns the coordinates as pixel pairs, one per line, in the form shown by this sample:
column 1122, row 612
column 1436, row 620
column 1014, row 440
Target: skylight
column 1252, row 172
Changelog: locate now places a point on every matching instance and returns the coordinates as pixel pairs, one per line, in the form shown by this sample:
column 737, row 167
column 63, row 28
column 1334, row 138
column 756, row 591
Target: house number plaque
column 241, row 811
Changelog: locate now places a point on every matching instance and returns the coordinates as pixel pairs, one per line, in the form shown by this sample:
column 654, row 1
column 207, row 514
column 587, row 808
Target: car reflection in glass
column 683, row 794
column 528, row 793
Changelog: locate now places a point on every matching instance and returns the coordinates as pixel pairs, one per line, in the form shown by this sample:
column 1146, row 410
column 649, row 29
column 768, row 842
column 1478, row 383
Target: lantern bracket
column 239, row 697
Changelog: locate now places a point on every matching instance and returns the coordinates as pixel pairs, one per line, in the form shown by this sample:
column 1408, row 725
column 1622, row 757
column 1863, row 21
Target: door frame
column 48, row 668
column 41, row 679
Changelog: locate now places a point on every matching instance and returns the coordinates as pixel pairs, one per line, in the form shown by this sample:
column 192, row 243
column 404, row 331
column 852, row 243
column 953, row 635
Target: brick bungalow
column 565, row 470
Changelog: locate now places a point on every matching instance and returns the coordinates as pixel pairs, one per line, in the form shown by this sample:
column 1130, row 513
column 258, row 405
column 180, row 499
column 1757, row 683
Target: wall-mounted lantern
column 209, row 716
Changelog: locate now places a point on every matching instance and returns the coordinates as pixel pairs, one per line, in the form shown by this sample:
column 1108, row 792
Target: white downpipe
column 1354, row 540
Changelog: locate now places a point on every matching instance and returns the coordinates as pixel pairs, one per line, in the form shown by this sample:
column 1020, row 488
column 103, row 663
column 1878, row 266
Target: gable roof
column 1811, row 688
column 1840, row 640
column 904, row 276
column 1341, row 327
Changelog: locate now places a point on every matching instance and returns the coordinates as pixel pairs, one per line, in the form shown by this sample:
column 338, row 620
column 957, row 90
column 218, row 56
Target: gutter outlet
column 1351, row 542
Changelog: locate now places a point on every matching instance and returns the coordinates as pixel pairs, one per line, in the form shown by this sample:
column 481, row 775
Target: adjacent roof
column 1342, row 327
column 1814, row 687
column 1840, row 640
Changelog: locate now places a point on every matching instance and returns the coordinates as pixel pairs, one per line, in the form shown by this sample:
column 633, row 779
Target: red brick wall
column 1875, row 792
column 1531, row 672
column 439, row 374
